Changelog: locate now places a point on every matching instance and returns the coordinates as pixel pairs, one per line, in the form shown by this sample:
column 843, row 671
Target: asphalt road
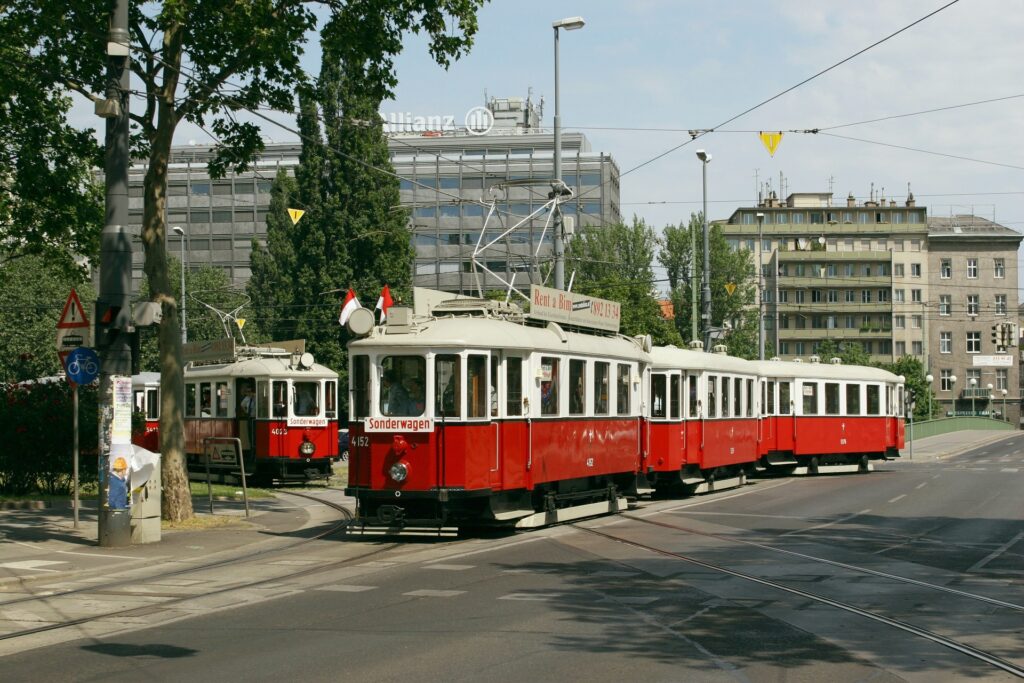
column 567, row 604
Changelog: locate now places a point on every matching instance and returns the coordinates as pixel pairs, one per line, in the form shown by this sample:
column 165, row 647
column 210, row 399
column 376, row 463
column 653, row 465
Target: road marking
column 427, row 593
column 827, row 524
column 716, row 499
column 898, row 498
column 921, row 485
column 1009, row 469
column 346, row 588
column 112, row 557
column 31, row 565
column 536, row 597
column 450, row 567
column 997, row 552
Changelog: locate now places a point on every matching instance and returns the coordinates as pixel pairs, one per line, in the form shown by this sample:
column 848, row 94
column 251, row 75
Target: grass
column 204, row 522
column 199, row 490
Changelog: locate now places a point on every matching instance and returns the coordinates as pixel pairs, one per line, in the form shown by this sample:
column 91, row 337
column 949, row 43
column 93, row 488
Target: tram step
column 539, row 519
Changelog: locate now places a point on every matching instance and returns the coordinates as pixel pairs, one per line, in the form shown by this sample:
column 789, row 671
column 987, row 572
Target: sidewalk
column 43, row 545
column 954, row 443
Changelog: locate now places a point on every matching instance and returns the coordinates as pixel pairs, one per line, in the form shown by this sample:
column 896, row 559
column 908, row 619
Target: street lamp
column 705, row 159
column 973, row 382
column 184, row 325
column 991, row 398
column 569, row 24
column 1005, row 416
column 760, row 288
column 929, row 379
column 952, row 383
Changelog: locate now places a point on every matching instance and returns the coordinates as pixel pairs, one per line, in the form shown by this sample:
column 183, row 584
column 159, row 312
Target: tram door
column 494, row 391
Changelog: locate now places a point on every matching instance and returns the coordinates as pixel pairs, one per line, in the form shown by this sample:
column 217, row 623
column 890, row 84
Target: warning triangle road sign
column 73, row 315
column 295, row 215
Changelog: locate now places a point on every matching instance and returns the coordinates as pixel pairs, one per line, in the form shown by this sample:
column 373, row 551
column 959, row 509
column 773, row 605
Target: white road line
column 31, row 565
column 427, row 593
column 715, row 499
column 899, row 497
column 921, row 485
column 112, row 557
column 997, row 552
column 1009, row 469
column 827, row 524
column 346, row 588
column 450, row 567
column 536, row 597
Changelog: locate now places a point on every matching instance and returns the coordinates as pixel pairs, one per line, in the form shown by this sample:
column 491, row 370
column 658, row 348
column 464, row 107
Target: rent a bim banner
column 574, row 309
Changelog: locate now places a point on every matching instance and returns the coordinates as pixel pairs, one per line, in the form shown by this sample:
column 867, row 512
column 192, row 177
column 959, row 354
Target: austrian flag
column 384, row 302
column 350, row 304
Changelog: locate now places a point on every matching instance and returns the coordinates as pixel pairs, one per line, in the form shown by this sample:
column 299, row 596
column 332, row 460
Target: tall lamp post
column 1005, row 416
column 973, row 383
column 184, row 325
column 991, row 399
column 705, row 159
column 929, row 379
column 760, row 288
column 569, row 24
column 952, row 383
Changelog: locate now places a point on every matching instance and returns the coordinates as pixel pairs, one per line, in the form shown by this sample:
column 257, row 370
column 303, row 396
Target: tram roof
column 272, row 366
column 776, row 368
column 665, row 357
column 475, row 332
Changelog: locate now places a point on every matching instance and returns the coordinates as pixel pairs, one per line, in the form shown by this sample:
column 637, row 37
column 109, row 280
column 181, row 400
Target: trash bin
column 116, row 532
column 145, row 519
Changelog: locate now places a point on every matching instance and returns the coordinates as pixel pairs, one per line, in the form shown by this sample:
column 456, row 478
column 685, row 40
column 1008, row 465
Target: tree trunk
column 176, row 502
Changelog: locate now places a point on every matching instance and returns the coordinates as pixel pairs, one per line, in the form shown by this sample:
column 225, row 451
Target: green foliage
column 728, row 266
column 37, row 420
column 914, row 373
column 33, row 290
column 850, row 352
column 614, row 262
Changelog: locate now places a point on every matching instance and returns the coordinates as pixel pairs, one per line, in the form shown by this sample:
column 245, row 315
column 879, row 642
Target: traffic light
column 997, row 336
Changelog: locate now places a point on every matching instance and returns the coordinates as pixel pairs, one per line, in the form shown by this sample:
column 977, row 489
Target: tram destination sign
column 574, row 309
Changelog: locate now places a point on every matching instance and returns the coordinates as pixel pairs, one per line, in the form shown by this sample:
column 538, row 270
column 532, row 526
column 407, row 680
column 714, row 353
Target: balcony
column 976, row 392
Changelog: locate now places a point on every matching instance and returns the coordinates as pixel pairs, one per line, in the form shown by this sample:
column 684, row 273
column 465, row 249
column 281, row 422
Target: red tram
column 146, row 401
column 481, row 415
column 275, row 405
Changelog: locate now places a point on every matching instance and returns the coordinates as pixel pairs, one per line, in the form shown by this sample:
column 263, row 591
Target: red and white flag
column 384, row 302
column 350, row 304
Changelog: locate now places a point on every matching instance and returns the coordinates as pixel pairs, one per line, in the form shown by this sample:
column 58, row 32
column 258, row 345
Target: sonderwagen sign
column 574, row 309
column 398, row 424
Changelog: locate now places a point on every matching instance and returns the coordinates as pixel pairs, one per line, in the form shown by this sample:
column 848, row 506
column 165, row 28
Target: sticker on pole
column 83, row 365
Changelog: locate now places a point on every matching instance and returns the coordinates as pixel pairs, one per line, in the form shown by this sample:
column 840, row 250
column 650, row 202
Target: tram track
column 166, row 602
column 907, row 627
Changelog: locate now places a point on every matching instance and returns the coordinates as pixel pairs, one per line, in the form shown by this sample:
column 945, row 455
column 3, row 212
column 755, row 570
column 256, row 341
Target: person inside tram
column 305, row 399
column 397, row 397
column 247, row 405
column 417, row 396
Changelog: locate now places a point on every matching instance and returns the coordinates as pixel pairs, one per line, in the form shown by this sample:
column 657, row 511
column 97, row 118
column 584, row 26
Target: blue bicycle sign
column 83, row 365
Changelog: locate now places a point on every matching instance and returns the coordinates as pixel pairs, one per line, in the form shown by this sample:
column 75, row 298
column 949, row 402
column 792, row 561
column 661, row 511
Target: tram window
column 513, row 386
column 899, row 401
column 694, row 401
column 785, row 398
column 888, row 400
column 712, row 398
column 623, row 390
column 152, row 404
column 331, row 399
column 222, row 399
column 307, row 399
column 810, row 394
column 675, row 397
column 139, row 400
column 737, row 397
column 831, row 398
column 402, row 385
column 601, row 388
column 205, row 400
column 263, row 398
column 750, row 398
column 770, row 410
column 279, row 398
column 190, row 400
column 447, row 378
column 658, row 403
column 549, row 386
column 725, row 397
column 245, row 395
column 853, row 399
column 476, row 388
column 493, row 394
column 578, row 383
column 874, row 400
column 360, row 383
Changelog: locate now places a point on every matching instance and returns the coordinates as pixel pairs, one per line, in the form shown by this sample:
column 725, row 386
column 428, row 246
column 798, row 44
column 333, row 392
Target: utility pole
column 568, row 24
column 760, row 288
column 113, row 305
column 705, row 159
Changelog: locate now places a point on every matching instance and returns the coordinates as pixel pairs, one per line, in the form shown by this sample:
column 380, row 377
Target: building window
column 945, row 342
column 918, row 348
column 901, row 348
column 899, row 322
column 851, row 296
column 883, row 296
column 865, row 296
column 945, row 380
column 833, row 297
column 867, row 270
column 972, row 304
column 915, row 270
column 783, row 296
column 800, row 270
column 815, row 296
column 915, row 321
column 800, row 295
column 946, row 269
column 972, row 269
column 784, row 321
column 915, row 296
column 973, row 342
column 848, row 268
column 899, row 296
column 1002, row 379
column 945, row 304
column 1000, row 304
column 915, row 245
column 799, row 348
column 897, row 270
column 999, row 268
column 850, row 322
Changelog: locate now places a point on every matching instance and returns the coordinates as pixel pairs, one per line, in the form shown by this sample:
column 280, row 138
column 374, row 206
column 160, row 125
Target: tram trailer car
column 703, row 421
column 476, row 416
column 820, row 414
column 287, row 430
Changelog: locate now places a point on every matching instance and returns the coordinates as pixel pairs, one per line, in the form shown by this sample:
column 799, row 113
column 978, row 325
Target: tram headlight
column 398, row 472
column 307, row 448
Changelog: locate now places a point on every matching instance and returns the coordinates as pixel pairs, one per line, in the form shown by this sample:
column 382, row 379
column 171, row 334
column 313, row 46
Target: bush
column 36, row 421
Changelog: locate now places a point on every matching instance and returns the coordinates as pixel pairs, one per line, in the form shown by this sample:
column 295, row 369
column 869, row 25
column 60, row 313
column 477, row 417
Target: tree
column 204, row 62
column 614, row 262
column 850, row 352
column 916, row 385
column 33, row 290
column 728, row 267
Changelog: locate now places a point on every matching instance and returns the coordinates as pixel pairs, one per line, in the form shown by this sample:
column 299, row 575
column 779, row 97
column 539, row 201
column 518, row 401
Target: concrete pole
column 113, row 305
column 694, row 334
column 559, row 243
column 706, row 315
column 760, row 288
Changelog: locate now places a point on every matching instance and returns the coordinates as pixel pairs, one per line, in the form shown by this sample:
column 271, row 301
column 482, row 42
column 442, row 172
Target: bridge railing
column 955, row 424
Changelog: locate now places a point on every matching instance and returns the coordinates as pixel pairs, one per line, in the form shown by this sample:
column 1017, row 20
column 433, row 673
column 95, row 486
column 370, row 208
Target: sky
column 680, row 65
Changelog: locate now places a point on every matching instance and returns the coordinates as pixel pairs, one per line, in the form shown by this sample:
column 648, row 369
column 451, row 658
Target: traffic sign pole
column 74, row 465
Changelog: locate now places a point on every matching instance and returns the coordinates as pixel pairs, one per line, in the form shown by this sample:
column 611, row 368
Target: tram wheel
column 812, row 465
column 862, row 466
